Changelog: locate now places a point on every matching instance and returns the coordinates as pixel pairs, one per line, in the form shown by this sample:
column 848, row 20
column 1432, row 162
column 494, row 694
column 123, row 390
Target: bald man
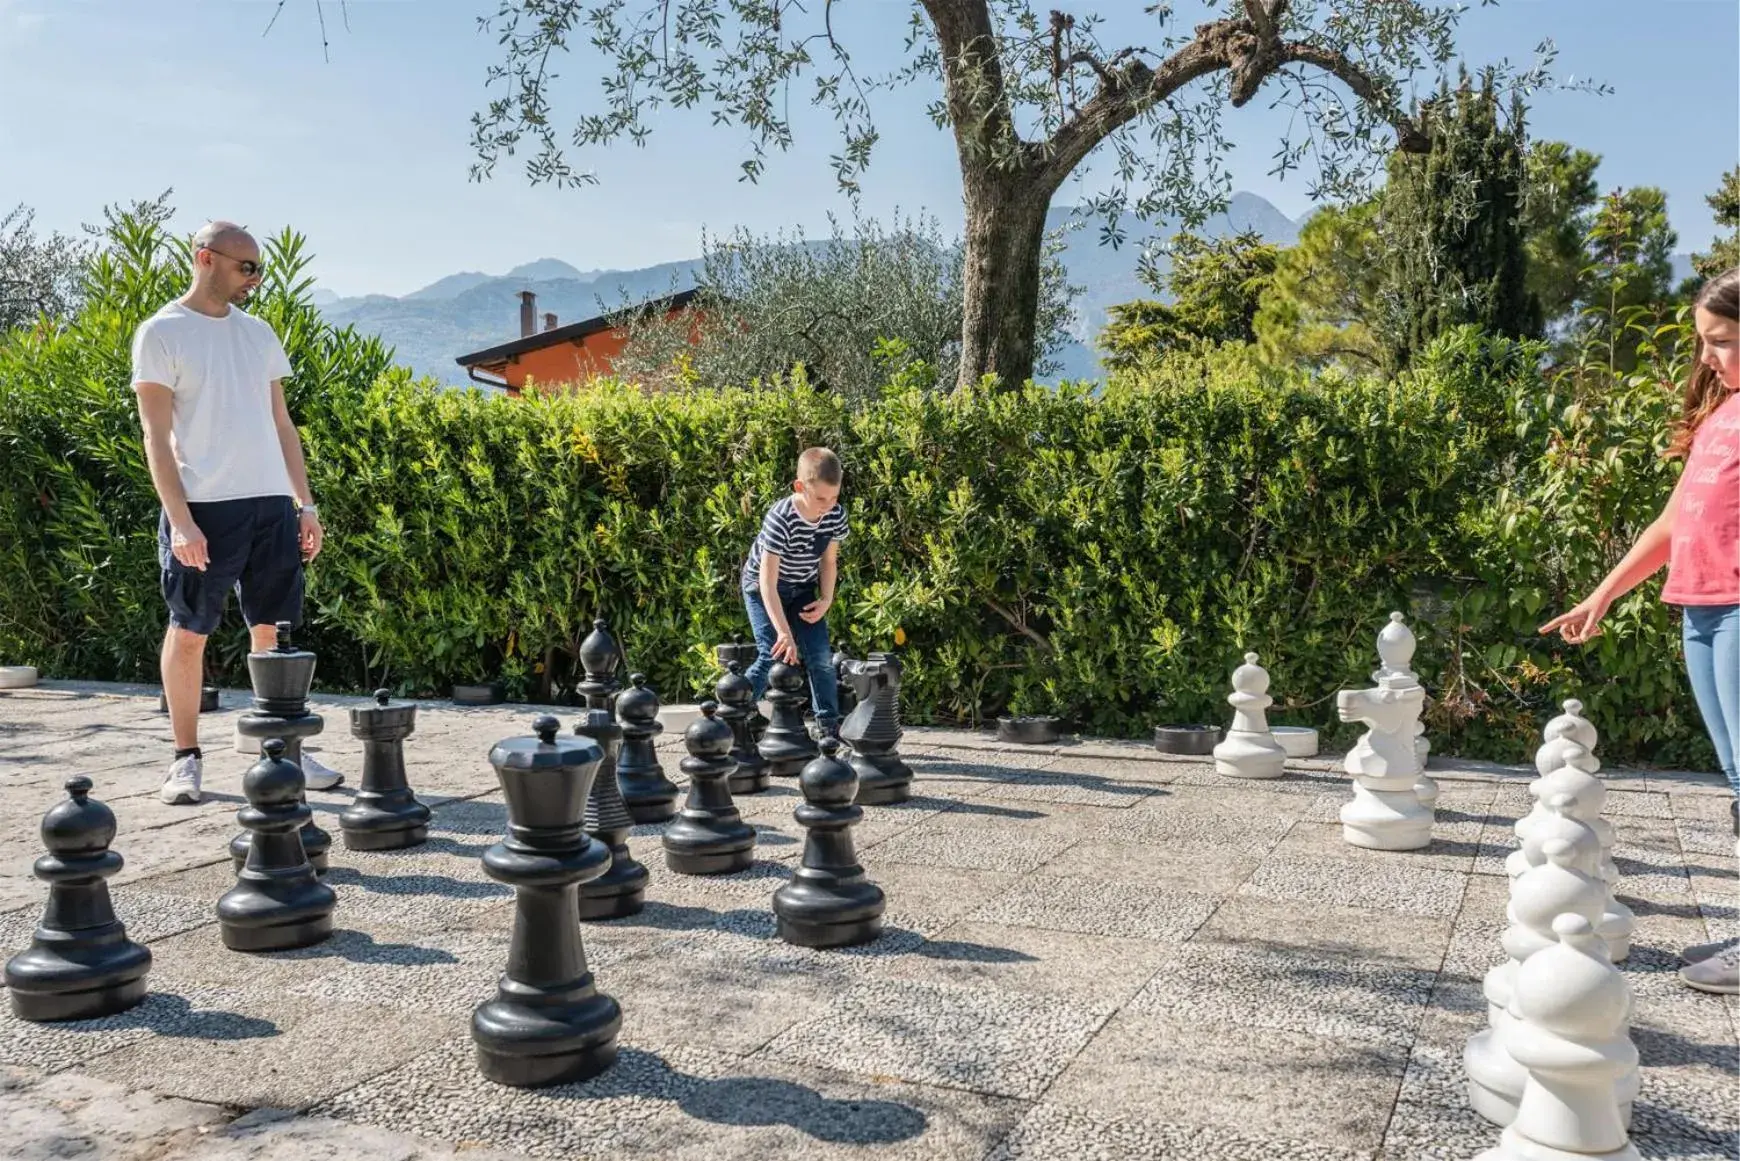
column 227, row 464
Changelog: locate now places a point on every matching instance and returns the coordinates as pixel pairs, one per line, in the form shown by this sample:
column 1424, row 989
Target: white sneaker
column 317, row 775
column 181, row 788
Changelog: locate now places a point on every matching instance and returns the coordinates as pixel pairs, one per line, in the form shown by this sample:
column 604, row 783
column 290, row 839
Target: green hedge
column 1105, row 557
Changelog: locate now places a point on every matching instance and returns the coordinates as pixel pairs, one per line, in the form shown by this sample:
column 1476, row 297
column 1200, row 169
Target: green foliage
column 1627, row 286
column 1557, row 210
column 1725, row 251
column 1104, row 557
column 1324, row 305
column 39, row 276
column 1216, row 284
column 1454, row 226
column 769, row 304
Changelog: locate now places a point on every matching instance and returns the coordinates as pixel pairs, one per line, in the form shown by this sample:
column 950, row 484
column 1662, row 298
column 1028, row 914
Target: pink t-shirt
column 1704, row 564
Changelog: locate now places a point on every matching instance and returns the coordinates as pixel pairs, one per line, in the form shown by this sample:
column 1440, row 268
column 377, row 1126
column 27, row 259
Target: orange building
column 569, row 354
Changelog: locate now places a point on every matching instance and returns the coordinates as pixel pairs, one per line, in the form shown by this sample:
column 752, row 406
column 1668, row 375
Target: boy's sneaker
column 181, row 788
column 317, row 775
column 1720, row 974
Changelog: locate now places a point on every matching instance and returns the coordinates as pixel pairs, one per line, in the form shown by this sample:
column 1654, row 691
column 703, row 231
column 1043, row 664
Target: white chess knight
column 1563, row 882
column 1396, row 645
column 1567, row 1029
column 1567, row 766
column 1250, row 750
column 1386, row 814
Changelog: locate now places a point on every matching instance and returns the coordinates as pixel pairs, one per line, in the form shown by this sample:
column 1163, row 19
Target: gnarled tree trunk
column 1005, row 240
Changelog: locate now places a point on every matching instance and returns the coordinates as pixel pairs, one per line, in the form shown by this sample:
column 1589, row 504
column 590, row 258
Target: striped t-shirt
column 797, row 542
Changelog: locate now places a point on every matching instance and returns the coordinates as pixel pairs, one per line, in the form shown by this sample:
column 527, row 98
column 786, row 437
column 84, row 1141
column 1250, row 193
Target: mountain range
column 470, row 310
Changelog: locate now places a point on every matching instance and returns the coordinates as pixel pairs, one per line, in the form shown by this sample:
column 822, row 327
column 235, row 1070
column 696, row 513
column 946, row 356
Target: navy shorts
column 255, row 546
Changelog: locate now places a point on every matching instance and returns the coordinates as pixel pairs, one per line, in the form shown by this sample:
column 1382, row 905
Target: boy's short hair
column 820, row 465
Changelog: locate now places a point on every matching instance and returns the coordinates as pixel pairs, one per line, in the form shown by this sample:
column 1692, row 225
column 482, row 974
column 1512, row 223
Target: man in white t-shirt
column 227, row 464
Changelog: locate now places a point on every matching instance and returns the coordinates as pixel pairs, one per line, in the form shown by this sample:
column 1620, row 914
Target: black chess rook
column 385, row 816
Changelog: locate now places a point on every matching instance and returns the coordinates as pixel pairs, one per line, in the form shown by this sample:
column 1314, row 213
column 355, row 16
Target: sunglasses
column 248, row 267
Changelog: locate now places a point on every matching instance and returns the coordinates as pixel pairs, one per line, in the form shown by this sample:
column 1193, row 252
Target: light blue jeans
column 1712, row 637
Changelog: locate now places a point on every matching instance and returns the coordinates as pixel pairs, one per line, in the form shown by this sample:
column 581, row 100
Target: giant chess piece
column 651, row 797
column 282, row 677
column 1568, row 773
column 828, row 902
column 385, row 816
column 742, row 652
column 787, row 745
column 277, row 902
column 1562, row 883
column 848, row 695
column 599, row 657
column 737, row 710
column 709, row 837
column 1568, row 1032
column 548, row 1022
column 1396, row 647
column 621, row 890
column 873, row 731
column 1386, row 813
column 80, row 963
column 1250, row 750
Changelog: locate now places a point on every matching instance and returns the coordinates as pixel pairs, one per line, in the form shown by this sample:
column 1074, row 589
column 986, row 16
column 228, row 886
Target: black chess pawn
column 709, row 837
column 80, row 963
column 873, row 731
column 621, row 890
column 787, row 744
column 828, row 902
column 737, row 709
column 599, row 657
column 847, row 695
column 385, row 815
column 277, row 902
column 282, row 677
column 651, row 797
column 548, row 1023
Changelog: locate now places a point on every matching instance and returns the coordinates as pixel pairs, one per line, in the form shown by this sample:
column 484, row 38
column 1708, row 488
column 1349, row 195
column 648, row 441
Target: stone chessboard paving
column 1091, row 950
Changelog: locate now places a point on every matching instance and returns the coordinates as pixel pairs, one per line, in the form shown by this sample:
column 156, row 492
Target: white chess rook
column 1387, row 812
column 1567, row 1029
column 1250, row 750
column 1567, row 765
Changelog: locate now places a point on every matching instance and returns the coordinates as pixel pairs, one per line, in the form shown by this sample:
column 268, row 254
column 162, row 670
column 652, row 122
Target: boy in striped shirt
column 788, row 582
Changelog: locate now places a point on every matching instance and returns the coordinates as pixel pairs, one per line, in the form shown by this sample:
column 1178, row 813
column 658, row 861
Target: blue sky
column 112, row 100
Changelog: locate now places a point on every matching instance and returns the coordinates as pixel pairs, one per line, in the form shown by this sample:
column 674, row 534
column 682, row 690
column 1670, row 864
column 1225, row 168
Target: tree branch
column 1410, row 138
column 976, row 90
column 1019, row 625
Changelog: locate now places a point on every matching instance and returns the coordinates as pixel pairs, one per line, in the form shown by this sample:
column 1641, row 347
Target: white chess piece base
column 1386, row 820
column 1495, row 1080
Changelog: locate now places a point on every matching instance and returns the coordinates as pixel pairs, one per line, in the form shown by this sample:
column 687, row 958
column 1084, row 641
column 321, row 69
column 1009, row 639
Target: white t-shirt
column 221, row 370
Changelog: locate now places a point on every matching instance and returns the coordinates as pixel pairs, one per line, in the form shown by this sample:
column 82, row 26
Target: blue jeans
column 1712, row 637
column 812, row 645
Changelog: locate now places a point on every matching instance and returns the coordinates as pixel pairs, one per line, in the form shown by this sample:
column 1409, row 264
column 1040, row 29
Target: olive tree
column 1028, row 95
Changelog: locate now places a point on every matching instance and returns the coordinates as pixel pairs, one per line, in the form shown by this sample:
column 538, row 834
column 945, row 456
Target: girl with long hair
column 1698, row 537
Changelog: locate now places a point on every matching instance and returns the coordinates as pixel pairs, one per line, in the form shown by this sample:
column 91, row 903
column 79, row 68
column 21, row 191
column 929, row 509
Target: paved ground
column 1092, row 952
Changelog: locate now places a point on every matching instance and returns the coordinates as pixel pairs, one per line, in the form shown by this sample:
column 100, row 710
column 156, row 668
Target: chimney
column 528, row 313
column 549, row 322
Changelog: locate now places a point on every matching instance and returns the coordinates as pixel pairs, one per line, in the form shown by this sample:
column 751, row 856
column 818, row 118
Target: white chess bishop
column 1387, row 812
column 1249, row 749
column 1567, row 766
column 1567, row 1029
column 1396, row 645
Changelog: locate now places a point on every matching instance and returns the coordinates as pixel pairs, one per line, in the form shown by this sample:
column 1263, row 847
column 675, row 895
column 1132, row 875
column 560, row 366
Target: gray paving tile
column 1052, row 1130
column 1030, row 959
column 1098, row 907
column 977, row 848
column 1325, row 931
column 1350, row 883
column 180, row 1014
column 1199, row 867
column 986, row 1041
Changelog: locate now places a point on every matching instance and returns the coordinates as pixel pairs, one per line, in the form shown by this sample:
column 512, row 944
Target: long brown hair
column 1704, row 388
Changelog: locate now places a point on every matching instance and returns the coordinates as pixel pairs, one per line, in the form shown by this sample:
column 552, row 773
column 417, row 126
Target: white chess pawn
column 1568, row 1012
column 1396, row 645
column 1250, row 750
column 1574, row 779
column 1386, row 813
